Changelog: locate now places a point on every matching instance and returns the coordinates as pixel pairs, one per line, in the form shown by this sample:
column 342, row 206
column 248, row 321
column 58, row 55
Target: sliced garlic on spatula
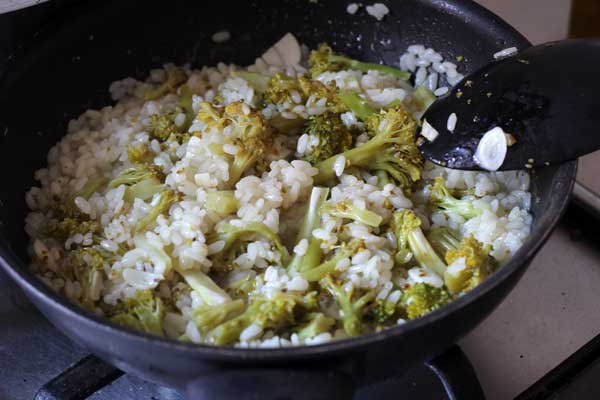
column 491, row 149
column 428, row 131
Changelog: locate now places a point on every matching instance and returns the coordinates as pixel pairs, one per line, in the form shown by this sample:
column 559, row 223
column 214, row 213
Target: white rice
column 221, row 36
column 451, row 124
column 378, row 10
column 352, row 8
column 509, row 51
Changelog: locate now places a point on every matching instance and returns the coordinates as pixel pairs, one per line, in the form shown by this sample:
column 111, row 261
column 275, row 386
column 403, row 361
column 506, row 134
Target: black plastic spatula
column 546, row 97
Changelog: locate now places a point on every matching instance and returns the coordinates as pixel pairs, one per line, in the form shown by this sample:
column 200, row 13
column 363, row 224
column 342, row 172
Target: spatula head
column 547, row 97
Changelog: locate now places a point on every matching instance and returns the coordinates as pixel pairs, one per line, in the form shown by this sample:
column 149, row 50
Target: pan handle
column 456, row 373
column 272, row 384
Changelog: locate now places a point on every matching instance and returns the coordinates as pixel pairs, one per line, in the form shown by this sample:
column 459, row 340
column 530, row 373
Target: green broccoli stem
column 131, row 176
column 355, row 157
column 359, row 106
column 346, row 209
column 209, row 317
column 382, row 178
column 144, row 190
column 423, row 98
column 201, row 283
column 351, row 312
column 167, row 199
column 258, row 82
column 279, row 311
column 241, row 162
column 443, row 239
column 229, row 331
column 91, row 187
column 393, row 104
column 186, row 100
column 407, row 228
column 311, row 221
column 175, row 78
column 328, row 267
column 222, row 202
column 318, row 323
column 424, row 253
column 288, row 126
column 366, row 66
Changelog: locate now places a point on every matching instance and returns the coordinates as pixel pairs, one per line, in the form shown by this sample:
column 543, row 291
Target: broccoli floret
column 347, row 249
column 143, row 181
column 277, row 312
column 312, row 256
column 131, row 176
column 324, row 59
column 281, row 89
column 167, row 198
column 406, row 225
column 162, row 127
column 441, row 199
column 317, row 323
column 208, row 317
column 86, row 266
column 230, row 234
column 347, row 209
column 140, row 153
column 392, row 149
column 333, row 137
column 477, row 265
column 250, row 133
column 384, row 311
column 223, row 202
column 443, row 239
column 421, row 298
column 241, row 288
column 143, row 312
column 175, row 77
column 352, row 308
column 64, row 228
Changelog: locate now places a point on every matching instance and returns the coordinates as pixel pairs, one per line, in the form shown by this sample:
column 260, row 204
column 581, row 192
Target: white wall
column 539, row 20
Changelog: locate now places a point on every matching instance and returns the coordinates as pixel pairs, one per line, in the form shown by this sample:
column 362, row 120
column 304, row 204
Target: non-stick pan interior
column 68, row 67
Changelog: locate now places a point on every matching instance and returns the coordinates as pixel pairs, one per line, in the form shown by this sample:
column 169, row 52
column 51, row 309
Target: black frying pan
column 66, row 68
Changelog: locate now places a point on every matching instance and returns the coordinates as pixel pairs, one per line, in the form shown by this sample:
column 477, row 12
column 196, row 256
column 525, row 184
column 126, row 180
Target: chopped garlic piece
column 491, row 149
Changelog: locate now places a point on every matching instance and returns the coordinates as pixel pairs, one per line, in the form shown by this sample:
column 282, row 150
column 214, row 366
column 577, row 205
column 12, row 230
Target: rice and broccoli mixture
column 269, row 206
